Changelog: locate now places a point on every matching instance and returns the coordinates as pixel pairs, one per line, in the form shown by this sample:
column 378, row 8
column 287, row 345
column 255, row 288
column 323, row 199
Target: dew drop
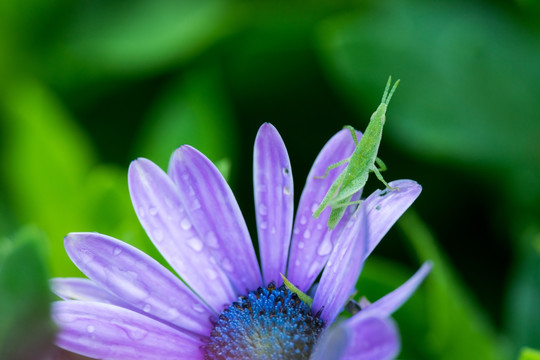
column 378, row 207
column 286, row 190
column 87, row 255
column 137, row 334
column 173, row 313
column 195, row 243
column 262, row 209
column 117, row 251
column 152, row 211
column 273, row 230
column 212, row 240
column 319, row 226
column 158, row 235
column 141, row 212
column 227, row 265
column 325, row 248
column 307, row 234
column 198, row 308
column 147, row 308
column 185, row 224
column 264, row 225
column 90, row 329
column 296, row 231
column 301, row 245
column 303, row 220
column 297, row 263
column 195, row 205
column 286, row 171
column 314, row 207
column 211, row 274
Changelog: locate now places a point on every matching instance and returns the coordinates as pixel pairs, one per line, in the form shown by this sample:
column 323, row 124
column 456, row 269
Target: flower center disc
column 268, row 324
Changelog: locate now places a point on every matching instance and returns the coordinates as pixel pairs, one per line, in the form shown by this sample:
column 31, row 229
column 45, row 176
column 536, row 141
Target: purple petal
column 157, row 202
column 312, row 242
column 389, row 303
column 139, row 280
column 384, row 207
column 83, row 289
column 215, row 215
column 342, row 270
column 110, row 332
column 332, row 343
column 372, row 338
column 273, row 185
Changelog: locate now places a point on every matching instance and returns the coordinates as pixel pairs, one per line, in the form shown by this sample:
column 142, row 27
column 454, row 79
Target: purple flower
column 131, row 307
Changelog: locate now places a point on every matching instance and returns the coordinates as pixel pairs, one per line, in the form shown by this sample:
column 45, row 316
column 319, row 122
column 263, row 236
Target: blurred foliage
column 529, row 354
column 88, row 86
column 26, row 330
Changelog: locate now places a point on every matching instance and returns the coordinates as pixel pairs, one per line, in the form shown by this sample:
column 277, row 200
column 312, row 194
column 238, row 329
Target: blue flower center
column 268, row 324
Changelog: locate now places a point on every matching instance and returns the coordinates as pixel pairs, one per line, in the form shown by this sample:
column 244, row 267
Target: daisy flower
column 222, row 304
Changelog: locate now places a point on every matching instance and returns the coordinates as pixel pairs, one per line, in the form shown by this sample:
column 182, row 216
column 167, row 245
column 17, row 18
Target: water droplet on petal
column 147, row 308
column 141, row 212
column 152, row 211
column 211, row 274
column 301, row 245
column 319, row 226
column 158, row 235
column 136, row 333
column 264, row 225
column 227, row 265
column 325, row 248
column 378, row 207
column 314, row 207
column 303, row 220
column 297, row 263
column 262, row 209
column 286, row 190
column 286, row 171
column 195, row 243
column 117, row 251
column 173, row 313
column 90, row 329
column 307, row 234
column 198, row 308
column 196, row 204
column 273, row 230
column 296, row 231
column 185, row 224
column 212, row 240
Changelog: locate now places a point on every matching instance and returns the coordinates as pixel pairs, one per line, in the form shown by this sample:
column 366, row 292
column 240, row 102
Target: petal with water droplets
column 162, row 213
column 138, row 280
column 83, row 289
column 273, row 190
column 216, row 217
column 109, row 332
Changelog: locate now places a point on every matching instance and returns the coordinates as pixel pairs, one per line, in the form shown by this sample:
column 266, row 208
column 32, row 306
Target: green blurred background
column 88, row 86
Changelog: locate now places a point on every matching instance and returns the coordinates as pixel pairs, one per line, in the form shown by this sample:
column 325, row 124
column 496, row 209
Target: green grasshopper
column 362, row 161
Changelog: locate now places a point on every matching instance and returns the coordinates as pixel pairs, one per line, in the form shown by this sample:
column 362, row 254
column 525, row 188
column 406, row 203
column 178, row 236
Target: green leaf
column 112, row 38
column 26, row 330
column 193, row 111
column 45, row 159
column 523, row 296
column 529, row 354
column 457, row 327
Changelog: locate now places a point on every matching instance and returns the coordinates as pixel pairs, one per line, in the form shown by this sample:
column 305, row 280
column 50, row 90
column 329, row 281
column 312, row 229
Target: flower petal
column 332, row 343
column 389, row 303
column 139, row 280
column 373, row 338
column 110, row 332
column 384, row 207
column 273, row 187
column 83, row 289
column 158, row 205
column 215, row 215
column 343, row 269
column 312, row 242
